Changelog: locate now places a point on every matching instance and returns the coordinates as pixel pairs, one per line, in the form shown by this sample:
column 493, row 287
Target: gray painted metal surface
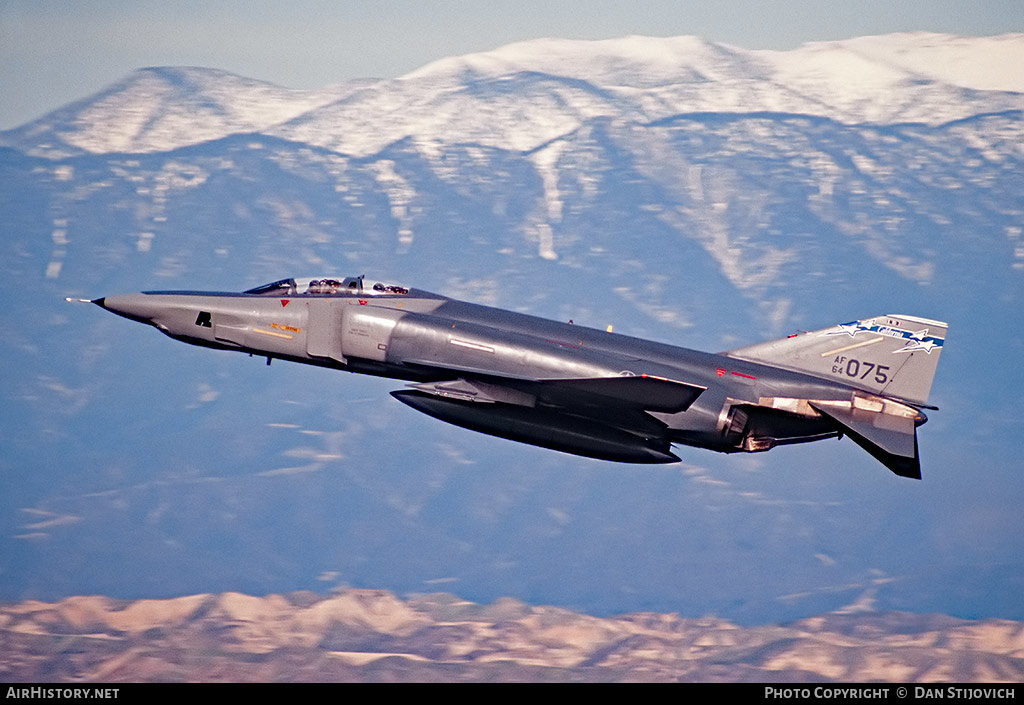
column 572, row 388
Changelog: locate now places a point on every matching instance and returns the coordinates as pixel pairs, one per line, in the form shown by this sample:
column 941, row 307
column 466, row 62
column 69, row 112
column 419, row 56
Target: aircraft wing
column 586, row 396
column 604, row 417
column 643, row 392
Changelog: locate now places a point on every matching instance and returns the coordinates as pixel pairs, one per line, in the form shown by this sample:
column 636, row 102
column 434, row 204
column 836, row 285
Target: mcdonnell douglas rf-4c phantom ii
column 575, row 389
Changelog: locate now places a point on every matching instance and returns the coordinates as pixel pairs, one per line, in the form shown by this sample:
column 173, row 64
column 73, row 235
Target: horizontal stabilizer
column 890, row 439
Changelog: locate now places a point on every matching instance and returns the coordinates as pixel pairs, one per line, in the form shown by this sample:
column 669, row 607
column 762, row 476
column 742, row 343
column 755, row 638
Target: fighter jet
column 575, row 389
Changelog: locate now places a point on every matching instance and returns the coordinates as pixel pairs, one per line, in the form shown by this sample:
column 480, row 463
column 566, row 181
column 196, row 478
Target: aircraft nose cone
column 137, row 307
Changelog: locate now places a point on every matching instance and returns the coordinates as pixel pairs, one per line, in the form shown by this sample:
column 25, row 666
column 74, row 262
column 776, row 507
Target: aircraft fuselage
column 558, row 385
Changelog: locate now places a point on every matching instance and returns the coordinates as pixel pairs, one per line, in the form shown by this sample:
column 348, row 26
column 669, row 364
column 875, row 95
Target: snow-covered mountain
column 523, row 95
column 700, row 194
column 163, row 108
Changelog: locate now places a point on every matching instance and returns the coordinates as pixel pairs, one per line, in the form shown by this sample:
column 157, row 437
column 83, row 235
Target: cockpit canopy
column 327, row 286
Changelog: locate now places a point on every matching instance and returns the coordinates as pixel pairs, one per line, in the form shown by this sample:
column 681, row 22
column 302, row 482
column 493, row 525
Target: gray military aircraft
column 575, row 389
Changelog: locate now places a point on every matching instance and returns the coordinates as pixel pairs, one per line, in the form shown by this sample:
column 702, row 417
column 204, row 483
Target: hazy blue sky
column 54, row 51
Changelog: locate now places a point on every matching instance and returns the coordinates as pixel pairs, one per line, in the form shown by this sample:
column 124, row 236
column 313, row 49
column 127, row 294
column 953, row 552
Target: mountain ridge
column 863, row 80
column 372, row 635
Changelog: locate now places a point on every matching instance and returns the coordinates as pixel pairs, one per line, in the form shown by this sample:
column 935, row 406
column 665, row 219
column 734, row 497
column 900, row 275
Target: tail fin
column 892, row 356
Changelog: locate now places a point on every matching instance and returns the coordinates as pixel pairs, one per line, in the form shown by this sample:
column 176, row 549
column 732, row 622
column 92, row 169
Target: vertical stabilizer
column 893, row 356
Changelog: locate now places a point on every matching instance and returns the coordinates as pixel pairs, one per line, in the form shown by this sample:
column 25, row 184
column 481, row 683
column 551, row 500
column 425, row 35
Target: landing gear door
column 323, row 329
